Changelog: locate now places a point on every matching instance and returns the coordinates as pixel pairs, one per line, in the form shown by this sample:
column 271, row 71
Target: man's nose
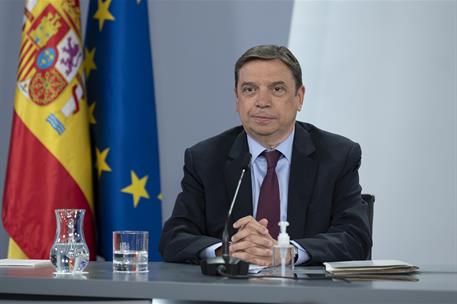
column 263, row 98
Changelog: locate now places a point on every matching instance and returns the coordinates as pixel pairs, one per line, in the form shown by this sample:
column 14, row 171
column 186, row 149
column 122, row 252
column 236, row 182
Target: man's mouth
column 262, row 119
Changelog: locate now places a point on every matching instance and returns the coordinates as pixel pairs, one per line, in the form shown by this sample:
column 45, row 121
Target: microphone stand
column 227, row 264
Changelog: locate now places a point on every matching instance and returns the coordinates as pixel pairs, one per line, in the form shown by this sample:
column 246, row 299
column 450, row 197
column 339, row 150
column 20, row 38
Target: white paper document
column 23, row 263
column 256, row 268
column 370, row 267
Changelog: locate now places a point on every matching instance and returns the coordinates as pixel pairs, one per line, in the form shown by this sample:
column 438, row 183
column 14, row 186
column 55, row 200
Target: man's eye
column 248, row 90
column 279, row 90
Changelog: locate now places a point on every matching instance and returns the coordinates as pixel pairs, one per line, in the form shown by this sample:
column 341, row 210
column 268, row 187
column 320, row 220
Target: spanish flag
column 49, row 164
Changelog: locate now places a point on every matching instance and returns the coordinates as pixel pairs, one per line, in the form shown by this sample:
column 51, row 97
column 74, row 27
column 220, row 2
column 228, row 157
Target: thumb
column 263, row 222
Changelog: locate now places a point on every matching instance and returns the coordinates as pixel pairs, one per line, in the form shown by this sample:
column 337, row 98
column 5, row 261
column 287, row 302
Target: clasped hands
column 252, row 242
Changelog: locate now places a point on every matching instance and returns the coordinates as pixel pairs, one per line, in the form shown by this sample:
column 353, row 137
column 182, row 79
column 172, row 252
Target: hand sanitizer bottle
column 284, row 253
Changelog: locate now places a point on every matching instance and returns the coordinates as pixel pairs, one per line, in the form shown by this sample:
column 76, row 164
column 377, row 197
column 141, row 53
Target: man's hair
column 270, row 52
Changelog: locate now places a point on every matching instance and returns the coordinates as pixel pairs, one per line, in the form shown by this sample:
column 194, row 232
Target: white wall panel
column 383, row 73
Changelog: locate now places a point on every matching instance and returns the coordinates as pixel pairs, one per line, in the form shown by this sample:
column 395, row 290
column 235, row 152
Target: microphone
column 227, row 264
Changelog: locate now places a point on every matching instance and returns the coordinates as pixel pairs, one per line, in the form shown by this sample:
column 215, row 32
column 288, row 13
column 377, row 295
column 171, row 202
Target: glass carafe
column 69, row 253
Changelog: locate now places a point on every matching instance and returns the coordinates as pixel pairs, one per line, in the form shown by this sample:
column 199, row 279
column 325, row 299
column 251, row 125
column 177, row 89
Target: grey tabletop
column 185, row 282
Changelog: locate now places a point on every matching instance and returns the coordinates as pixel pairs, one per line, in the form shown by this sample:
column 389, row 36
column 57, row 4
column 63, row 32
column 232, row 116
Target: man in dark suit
column 298, row 173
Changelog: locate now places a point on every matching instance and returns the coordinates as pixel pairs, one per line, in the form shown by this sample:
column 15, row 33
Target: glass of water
column 130, row 251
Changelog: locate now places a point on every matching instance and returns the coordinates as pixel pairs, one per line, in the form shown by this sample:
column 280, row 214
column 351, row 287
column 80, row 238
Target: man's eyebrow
column 248, row 83
column 274, row 83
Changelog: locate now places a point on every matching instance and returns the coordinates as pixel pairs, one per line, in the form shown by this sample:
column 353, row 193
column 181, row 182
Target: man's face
column 267, row 100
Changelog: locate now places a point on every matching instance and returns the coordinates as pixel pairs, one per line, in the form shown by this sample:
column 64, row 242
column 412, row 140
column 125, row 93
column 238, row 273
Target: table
column 185, row 282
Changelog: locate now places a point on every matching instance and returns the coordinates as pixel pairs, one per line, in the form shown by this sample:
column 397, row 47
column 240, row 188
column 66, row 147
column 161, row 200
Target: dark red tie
column 268, row 206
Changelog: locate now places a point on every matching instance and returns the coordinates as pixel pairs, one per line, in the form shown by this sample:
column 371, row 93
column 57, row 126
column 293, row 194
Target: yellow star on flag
column 103, row 13
column 89, row 63
column 160, row 197
column 91, row 113
column 101, row 164
column 137, row 188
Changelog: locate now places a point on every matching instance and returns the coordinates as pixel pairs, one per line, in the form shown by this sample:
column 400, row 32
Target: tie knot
column 272, row 158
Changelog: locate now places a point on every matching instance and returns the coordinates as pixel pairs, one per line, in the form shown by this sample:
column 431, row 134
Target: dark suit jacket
column 326, row 213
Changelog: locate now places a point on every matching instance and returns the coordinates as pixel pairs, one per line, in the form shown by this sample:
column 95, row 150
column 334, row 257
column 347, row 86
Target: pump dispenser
column 283, row 252
column 283, row 238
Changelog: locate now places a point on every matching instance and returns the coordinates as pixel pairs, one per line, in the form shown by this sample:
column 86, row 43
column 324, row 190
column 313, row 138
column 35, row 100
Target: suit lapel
column 303, row 170
column 233, row 167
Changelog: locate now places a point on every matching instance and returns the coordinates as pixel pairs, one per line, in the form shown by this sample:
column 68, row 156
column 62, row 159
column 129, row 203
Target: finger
column 251, row 248
column 263, row 222
column 243, row 221
column 244, row 233
column 249, row 220
column 240, row 235
column 252, row 259
column 258, row 240
column 252, row 227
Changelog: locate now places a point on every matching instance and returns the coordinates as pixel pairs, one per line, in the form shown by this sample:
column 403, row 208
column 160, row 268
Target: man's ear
column 300, row 97
column 236, row 99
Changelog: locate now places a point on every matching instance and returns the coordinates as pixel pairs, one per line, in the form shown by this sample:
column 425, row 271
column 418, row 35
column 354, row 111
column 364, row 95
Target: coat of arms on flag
column 51, row 55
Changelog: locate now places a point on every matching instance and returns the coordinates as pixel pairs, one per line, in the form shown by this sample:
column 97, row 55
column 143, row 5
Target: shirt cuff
column 210, row 251
column 302, row 254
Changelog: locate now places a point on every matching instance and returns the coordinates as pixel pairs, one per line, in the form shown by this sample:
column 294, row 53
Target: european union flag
column 120, row 89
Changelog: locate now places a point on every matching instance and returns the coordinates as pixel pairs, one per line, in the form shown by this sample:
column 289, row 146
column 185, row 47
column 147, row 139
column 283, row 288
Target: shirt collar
column 285, row 147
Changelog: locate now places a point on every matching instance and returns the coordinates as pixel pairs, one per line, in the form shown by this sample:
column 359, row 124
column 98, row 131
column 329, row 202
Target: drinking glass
column 130, row 251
